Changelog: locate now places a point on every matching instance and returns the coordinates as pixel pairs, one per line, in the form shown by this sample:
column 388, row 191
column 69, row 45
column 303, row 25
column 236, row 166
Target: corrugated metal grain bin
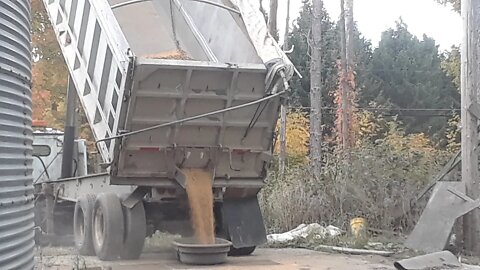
column 16, row 190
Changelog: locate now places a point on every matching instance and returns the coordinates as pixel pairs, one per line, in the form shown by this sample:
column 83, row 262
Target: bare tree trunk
column 349, row 34
column 344, row 132
column 283, row 110
column 469, row 90
column 316, row 91
column 350, row 77
column 286, row 41
column 272, row 19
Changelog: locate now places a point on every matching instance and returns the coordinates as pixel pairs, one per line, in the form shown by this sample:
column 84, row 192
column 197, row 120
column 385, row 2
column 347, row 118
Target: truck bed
column 152, row 62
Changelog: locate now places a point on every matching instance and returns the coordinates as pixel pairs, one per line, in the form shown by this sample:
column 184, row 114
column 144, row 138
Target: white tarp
column 266, row 46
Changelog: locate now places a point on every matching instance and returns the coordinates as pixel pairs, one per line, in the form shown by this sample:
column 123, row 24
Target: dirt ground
column 262, row 259
column 275, row 259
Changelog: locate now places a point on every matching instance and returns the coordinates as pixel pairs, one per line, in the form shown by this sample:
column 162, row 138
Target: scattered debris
column 429, row 261
column 353, row 251
column 447, row 203
column 359, row 231
column 303, row 231
column 393, row 247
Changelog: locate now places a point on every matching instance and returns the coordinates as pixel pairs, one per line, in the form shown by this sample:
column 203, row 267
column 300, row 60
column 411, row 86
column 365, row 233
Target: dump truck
column 166, row 85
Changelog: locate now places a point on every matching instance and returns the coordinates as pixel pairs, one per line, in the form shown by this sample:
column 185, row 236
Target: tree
column 345, row 94
column 316, row 90
column 283, row 110
column 272, row 19
column 456, row 4
column 49, row 70
column 330, row 55
column 451, row 65
column 299, row 38
column 407, row 73
column 50, row 76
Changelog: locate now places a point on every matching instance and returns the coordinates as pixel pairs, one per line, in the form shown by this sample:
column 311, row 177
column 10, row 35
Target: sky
column 375, row 16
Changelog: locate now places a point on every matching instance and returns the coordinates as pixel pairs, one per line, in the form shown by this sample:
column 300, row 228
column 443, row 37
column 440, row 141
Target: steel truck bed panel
column 158, row 29
column 231, row 140
column 228, row 40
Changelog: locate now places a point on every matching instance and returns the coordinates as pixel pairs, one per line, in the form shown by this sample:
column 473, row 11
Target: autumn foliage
column 298, row 136
column 49, row 70
column 345, row 80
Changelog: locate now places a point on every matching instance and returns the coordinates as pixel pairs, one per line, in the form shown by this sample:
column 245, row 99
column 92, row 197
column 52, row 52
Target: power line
column 384, row 109
column 380, row 69
column 398, row 112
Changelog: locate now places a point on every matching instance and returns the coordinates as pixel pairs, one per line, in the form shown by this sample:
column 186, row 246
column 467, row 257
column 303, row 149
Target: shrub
column 377, row 180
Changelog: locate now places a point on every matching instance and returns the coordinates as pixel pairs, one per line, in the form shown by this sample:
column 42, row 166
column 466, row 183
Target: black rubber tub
column 189, row 252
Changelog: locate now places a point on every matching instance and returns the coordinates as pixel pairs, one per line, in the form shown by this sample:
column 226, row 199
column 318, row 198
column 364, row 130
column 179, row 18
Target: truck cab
column 47, row 154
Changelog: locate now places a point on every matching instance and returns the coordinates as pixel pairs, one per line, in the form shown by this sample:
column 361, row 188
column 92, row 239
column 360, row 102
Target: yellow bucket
column 359, row 231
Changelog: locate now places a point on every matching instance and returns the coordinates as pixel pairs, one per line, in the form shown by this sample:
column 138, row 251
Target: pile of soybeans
column 173, row 55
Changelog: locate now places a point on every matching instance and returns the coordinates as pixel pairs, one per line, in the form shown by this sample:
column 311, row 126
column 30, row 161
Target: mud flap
column 244, row 222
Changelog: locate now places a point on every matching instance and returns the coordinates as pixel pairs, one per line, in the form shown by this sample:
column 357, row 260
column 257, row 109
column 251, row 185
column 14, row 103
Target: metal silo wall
column 16, row 189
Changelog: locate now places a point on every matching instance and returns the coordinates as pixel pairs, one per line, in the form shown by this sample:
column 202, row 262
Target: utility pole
column 283, row 110
column 470, row 83
column 316, row 90
column 272, row 19
column 344, row 132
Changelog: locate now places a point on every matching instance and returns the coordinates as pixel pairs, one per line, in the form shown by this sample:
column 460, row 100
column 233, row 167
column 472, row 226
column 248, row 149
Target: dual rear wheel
column 103, row 226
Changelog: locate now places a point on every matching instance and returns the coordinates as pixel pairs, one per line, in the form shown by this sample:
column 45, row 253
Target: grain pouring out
column 200, row 198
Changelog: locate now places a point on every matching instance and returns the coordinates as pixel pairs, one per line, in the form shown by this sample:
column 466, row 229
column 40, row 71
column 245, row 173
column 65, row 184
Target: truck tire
column 107, row 227
column 82, row 225
column 135, row 231
column 245, row 251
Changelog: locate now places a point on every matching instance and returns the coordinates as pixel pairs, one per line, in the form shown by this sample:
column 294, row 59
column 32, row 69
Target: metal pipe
column 69, row 132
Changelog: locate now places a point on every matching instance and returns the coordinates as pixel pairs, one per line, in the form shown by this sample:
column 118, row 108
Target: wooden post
column 283, row 111
column 470, row 83
column 316, row 90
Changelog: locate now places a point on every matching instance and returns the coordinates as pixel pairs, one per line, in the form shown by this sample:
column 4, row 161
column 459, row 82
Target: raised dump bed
column 137, row 64
column 167, row 86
